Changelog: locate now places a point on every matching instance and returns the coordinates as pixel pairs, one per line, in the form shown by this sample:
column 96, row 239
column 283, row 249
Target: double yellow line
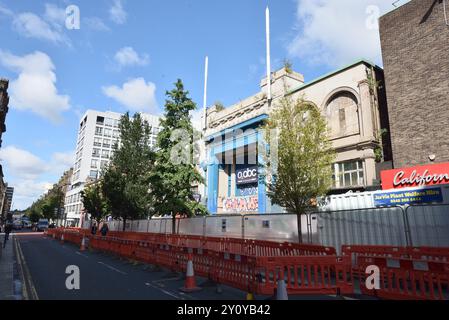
column 28, row 289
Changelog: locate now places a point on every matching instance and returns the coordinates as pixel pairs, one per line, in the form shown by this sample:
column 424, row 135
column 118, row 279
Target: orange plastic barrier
column 410, row 279
column 304, row 275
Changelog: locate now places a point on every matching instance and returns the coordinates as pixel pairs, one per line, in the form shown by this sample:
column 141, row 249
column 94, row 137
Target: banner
column 398, row 198
column 420, row 176
column 241, row 204
column 247, row 175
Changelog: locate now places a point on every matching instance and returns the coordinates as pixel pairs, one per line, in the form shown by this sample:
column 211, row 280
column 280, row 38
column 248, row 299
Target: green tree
column 125, row 184
column 94, row 202
column 175, row 173
column 303, row 169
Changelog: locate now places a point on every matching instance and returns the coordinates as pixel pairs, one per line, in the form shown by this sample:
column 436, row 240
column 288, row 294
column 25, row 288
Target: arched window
column 342, row 114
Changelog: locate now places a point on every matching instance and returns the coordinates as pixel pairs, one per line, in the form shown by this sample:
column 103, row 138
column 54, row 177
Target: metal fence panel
column 193, row 226
column 276, row 227
column 229, row 226
column 374, row 226
column 429, row 225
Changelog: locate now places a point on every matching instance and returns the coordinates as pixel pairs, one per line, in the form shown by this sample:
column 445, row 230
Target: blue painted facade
column 224, row 145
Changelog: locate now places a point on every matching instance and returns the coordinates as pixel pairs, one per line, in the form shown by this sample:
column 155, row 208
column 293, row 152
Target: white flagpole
column 267, row 18
column 206, row 70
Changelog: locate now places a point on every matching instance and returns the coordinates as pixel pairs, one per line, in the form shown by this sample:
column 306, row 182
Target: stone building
column 415, row 39
column 348, row 98
column 4, row 101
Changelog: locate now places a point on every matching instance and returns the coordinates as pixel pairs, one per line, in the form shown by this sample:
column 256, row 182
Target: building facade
column 4, row 101
column 352, row 101
column 7, row 202
column 415, row 40
column 98, row 135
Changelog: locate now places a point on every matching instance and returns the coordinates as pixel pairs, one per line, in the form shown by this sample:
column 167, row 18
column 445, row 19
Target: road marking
column 83, row 255
column 169, row 279
column 112, row 268
column 29, row 291
column 164, row 291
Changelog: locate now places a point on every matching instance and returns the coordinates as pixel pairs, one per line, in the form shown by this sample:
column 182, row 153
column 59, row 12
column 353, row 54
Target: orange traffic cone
column 190, row 285
column 83, row 244
column 62, row 238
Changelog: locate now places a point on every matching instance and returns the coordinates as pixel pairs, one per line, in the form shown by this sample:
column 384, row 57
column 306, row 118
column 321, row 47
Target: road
column 102, row 277
column 43, row 262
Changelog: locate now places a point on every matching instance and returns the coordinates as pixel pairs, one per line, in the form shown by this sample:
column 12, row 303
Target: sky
column 127, row 53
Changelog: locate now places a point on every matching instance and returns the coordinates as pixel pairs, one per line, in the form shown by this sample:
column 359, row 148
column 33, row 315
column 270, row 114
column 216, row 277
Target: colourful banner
column 398, row 198
column 241, row 204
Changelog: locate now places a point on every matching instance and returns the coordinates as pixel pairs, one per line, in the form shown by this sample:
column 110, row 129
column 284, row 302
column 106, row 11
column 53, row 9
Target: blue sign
column 398, row 198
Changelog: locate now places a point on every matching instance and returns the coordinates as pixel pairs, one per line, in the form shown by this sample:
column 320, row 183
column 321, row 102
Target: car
column 27, row 224
column 17, row 225
column 42, row 225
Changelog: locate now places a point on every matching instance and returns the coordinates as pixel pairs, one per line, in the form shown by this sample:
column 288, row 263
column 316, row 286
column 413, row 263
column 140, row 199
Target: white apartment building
column 98, row 135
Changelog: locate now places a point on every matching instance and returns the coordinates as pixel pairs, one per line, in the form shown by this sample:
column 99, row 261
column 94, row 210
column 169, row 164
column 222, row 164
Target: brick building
column 415, row 47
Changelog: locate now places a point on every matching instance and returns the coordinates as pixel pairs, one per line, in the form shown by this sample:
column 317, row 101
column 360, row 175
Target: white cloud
column 35, row 88
column 127, row 56
column 28, row 191
column 338, row 32
column 30, row 25
column 21, row 163
column 117, row 13
column 28, row 173
column 55, row 15
column 136, row 94
column 95, row 24
column 5, row 11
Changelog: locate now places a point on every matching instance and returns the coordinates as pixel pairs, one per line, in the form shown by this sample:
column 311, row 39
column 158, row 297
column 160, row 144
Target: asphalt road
column 102, row 277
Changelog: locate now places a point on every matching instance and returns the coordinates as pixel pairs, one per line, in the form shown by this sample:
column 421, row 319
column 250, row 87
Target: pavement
column 10, row 284
column 36, row 267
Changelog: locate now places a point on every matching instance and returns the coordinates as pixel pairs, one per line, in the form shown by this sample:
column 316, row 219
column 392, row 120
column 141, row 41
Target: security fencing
column 420, row 225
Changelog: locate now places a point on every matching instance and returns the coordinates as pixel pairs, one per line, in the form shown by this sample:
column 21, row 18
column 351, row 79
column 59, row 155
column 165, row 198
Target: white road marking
column 112, row 268
column 83, row 255
column 164, row 291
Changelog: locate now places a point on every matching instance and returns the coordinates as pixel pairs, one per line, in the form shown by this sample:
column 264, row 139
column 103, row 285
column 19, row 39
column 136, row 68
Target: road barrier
column 257, row 267
column 411, row 279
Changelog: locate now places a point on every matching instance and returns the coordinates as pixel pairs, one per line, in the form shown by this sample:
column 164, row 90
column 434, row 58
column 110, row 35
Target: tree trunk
column 298, row 218
column 173, row 225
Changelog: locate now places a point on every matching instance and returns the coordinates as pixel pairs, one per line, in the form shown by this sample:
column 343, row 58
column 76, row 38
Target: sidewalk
column 7, row 267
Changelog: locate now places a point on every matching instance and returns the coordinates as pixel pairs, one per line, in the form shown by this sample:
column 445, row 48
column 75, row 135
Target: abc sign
column 247, row 176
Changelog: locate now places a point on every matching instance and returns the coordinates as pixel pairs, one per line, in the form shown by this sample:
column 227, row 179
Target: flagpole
column 267, row 20
column 206, row 70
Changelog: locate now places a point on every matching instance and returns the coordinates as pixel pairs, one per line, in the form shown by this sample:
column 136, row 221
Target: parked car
column 42, row 225
column 27, row 224
column 17, row 225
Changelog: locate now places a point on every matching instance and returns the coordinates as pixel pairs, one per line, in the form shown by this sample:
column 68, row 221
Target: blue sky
column 127, row 53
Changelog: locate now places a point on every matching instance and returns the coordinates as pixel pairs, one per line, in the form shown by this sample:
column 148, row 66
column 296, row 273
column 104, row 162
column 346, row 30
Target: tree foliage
column 94, row 202
column 303, row 169
column 175, row 173
column 125, row 183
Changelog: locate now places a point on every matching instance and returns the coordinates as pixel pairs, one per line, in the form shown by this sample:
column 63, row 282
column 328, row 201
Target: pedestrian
column 8, row 228
column 94, row 229
column 104, row 229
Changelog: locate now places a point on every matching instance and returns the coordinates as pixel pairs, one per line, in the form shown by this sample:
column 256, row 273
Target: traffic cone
column 83, row 244
column 62, row 238
column 281, row 292
column 190, row 284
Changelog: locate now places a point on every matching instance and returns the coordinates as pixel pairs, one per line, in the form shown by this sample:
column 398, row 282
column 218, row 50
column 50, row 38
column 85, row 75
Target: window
column 94, row 163
column 115, row 134
column 100, row 120
column 105, row 154
column 96, row 152
column 109, row 122
column 93, row 174
column 106, row 143
column 107, row 132
column 98, row 131
column 342, row 114
column 104, row 164
column 347, row 174
column 97, row 142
